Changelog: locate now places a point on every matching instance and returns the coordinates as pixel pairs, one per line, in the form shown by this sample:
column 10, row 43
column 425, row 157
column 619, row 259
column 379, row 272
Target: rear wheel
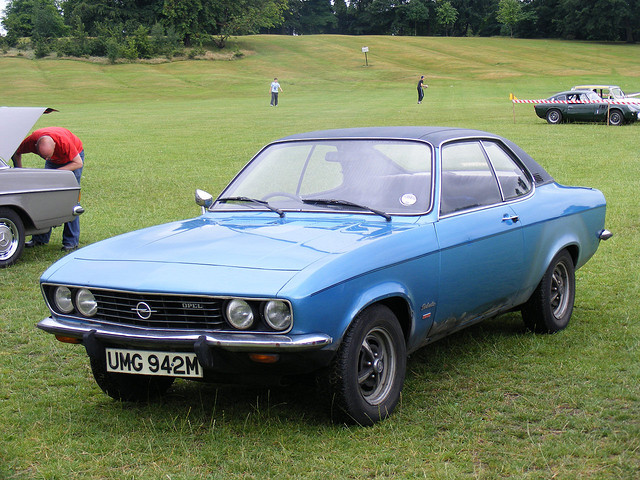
column 11, row 237
column 554, row 116
column 550, row 307
column 616, row 118
column 366, row 376
column 129, row 388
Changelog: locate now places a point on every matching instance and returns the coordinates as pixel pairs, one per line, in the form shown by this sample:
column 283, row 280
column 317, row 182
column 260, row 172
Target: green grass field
column 490, row 402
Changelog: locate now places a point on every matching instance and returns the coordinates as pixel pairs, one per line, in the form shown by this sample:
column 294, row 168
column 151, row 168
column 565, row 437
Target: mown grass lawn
column 491, row 402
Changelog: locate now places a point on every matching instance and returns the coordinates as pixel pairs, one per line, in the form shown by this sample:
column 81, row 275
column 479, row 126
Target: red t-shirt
column 67, row 144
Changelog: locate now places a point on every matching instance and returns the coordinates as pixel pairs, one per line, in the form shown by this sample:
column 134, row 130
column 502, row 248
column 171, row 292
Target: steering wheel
column 282, row 194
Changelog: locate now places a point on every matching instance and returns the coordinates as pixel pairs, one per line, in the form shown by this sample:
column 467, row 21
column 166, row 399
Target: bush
column 97, row 47
column 41, row 48
column 67, row 47
column 141, row 43
column 129, row 50
column 113, row 50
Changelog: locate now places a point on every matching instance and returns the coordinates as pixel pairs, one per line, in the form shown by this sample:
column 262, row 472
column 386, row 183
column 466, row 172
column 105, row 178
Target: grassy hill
column 490, row 402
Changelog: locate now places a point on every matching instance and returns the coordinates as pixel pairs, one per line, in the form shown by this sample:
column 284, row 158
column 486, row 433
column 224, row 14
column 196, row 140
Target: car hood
column 15, row 123
column 236, row 255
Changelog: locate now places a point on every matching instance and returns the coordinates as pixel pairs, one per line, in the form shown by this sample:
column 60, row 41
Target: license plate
column 143, row 362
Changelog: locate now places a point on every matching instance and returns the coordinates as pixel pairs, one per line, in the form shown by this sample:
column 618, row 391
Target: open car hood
column 15, row 123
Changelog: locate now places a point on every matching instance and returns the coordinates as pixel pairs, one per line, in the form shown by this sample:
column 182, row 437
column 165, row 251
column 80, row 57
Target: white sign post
column 365, row 50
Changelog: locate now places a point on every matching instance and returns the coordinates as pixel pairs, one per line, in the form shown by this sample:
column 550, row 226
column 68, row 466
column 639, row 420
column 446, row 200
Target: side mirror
column 204, row 199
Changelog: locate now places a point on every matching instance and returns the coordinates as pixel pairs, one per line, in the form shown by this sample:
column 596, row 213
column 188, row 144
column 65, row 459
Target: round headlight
column 239, row 314
column 62, row 299
column 86, row 303
column 277, row 314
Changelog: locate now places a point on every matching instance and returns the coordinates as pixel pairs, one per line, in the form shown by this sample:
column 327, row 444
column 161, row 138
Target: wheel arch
column 542, row 266
column 401, row 309
column 619, row 112
column 571, row 247
column 24, row 216
column 391, row 295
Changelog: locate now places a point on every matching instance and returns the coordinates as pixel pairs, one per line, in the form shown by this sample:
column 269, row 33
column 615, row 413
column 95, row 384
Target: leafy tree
column 509, row 13
column 47, row 21
column 316, row 16
column 417, row 12
column 631, row 20
column 130, row 13
column 387, row 17
column 361, row 16
column 343, row 17
column 222, row 18
column 446, row 15
column 24, row 18
column 184, row 17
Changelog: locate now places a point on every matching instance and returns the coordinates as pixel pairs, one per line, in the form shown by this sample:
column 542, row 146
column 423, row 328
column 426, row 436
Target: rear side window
column 514, row 181
column 467, row 179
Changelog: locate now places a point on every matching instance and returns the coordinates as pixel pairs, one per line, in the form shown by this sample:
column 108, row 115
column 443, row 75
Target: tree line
column 146, row 28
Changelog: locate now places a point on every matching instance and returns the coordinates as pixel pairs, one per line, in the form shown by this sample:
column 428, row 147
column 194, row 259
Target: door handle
column 513, row 218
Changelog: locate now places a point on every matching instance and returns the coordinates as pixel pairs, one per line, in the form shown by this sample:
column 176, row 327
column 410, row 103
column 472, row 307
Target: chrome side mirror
column 204, row 199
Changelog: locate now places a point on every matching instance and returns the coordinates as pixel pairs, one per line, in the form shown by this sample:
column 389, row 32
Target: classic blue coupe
column 332, row 254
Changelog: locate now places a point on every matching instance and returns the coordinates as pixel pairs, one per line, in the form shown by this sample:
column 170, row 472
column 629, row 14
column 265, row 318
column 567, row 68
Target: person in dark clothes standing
column 421, row 84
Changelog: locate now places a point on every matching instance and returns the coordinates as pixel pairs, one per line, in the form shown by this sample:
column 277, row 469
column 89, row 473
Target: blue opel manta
column 332, row 254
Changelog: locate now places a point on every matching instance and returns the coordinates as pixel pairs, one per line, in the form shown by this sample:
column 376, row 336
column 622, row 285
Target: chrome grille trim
column 169, row 311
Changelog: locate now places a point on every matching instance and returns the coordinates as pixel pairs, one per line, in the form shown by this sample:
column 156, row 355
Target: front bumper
column 183, row 339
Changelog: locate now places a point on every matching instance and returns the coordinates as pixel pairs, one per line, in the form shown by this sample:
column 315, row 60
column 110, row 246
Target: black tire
column 616, row 118
column 129, row 388
column 554, row 116
column 366, row 376
column 11, row 237
column 550, row 307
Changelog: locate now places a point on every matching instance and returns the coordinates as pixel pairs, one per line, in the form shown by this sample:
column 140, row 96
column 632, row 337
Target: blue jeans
column 71, row 231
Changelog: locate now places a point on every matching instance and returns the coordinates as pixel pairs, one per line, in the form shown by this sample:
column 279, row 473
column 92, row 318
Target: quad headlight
column 63, row 299
column 259, row 315
column 82, row 300
column 277, row 314
column 240, row 314
column 86, row 303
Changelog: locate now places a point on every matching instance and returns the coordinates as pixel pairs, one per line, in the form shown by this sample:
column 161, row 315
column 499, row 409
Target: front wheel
column 550, row 307
column 366, row 376
column 11, row 237
column 129, row 388
column 554, row 116
column 616, row 118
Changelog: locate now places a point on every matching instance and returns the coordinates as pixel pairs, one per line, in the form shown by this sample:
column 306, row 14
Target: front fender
column 409, row 288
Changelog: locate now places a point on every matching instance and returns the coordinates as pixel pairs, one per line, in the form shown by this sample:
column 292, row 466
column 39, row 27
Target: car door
column 479, row 235
column 581, row 108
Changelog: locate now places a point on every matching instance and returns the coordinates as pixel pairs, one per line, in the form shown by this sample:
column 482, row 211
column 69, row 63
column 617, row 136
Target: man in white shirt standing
column 275, row 86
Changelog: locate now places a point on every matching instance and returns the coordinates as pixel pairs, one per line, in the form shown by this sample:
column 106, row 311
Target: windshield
column 617, row 93
column 593, row 96
column 388, row 176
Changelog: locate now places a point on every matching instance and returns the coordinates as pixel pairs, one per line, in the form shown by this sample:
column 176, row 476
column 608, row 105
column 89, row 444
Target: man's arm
column 17, row 160
column 74, row 164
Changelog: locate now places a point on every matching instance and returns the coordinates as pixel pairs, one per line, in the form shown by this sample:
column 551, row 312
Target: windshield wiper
column 345, row 203
column 251, row 200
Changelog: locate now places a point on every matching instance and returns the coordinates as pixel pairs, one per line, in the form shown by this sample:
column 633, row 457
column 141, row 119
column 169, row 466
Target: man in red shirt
column 62, row 150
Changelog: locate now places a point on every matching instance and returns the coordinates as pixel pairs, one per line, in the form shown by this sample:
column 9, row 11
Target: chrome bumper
column 226, row 341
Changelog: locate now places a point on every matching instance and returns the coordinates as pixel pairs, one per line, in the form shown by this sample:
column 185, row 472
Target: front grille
column 159, row 311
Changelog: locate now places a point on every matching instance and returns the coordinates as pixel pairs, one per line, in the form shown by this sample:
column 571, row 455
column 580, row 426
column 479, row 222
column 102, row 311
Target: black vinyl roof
column 434, row 135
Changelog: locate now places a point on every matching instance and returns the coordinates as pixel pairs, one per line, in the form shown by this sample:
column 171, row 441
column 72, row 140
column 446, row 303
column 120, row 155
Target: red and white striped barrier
column 611, row 102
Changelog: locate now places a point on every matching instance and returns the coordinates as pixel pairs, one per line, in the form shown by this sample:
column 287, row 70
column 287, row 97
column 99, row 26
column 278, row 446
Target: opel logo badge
column 143, row 310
